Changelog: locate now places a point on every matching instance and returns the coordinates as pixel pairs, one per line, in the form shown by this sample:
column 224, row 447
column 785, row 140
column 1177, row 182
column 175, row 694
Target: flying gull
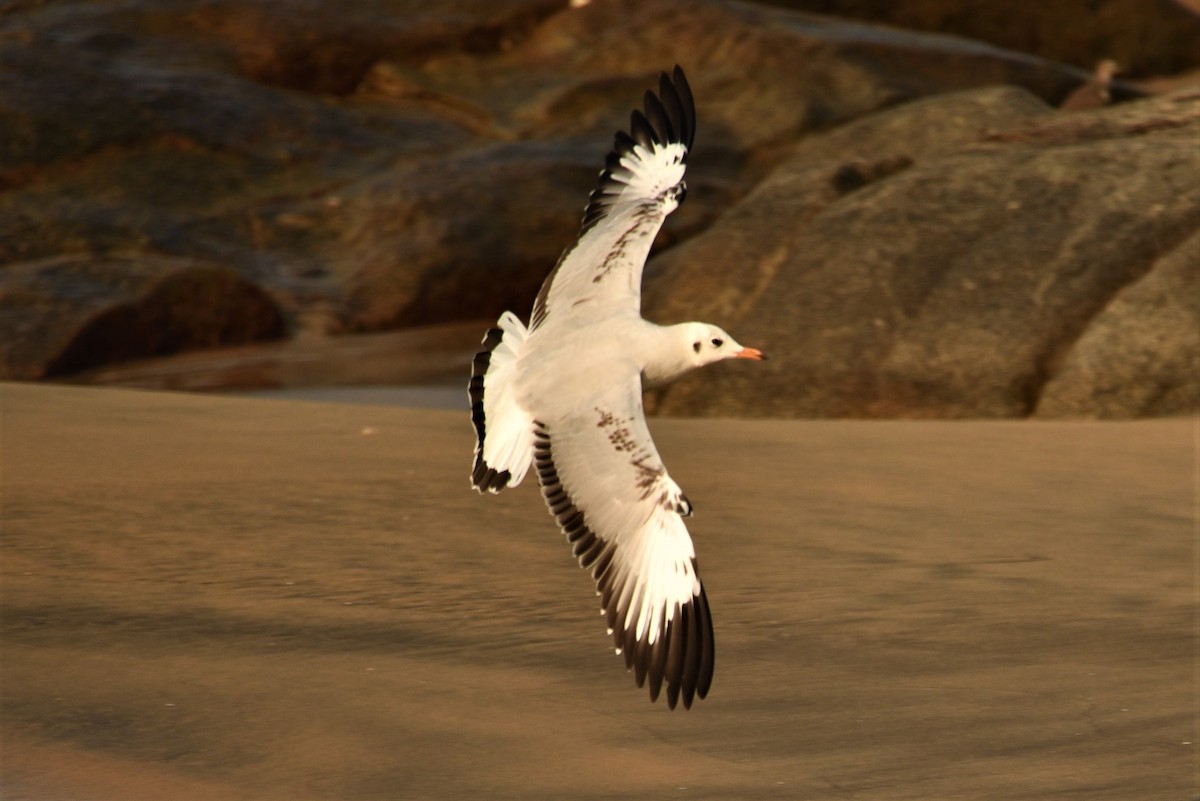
column 564, row 396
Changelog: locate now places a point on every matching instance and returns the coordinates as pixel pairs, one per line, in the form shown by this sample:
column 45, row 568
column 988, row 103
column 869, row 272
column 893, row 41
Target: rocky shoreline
column 903, row 218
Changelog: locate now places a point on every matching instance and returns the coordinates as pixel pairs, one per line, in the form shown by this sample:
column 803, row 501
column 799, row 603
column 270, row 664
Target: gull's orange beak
column 751, row 353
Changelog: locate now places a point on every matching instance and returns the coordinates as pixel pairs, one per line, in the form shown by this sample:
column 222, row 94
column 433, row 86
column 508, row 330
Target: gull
column 564, row 396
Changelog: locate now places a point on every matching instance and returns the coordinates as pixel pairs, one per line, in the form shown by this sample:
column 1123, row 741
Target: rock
column 1148, row 37
column 65, row 314
column 948, row 288
column 399, row 163
column 821, row 170
column 451, row 238
column 1140, row 356
column 763, row 75
column 208, row 132
column 1097, row 92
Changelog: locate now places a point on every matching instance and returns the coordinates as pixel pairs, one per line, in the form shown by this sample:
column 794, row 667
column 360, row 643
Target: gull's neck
column 665, row 353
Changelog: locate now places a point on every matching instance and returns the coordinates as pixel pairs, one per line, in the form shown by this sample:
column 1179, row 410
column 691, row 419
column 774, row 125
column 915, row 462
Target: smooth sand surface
column 215, row 598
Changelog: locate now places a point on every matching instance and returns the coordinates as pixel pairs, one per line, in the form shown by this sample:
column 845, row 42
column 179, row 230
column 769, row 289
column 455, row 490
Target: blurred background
column 935, row 209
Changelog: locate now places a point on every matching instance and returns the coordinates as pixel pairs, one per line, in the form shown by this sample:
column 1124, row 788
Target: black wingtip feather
column 673, row 661
column 657, row 658
column 707, row 654
column 642, row 131
column 691, row 651
column 658, row 117
column 483, row 477
column 687, row 105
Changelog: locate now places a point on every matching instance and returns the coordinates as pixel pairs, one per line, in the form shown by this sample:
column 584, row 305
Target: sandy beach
column 219, row 598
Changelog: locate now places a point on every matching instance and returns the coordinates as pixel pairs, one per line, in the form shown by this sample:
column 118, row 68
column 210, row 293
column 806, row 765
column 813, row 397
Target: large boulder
column 1147, row 37
column 65, row 314
column 763, row 77
column 1140, row 356
column 938, row 261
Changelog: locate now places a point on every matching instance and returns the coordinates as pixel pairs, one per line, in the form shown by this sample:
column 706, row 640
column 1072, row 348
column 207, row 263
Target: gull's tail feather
column 503, row 431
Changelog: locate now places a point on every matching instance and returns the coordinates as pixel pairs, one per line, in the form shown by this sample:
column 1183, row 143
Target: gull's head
column 711, row 344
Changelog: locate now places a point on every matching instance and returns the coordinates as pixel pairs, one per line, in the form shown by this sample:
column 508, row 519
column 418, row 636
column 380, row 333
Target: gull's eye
column 696, row 347
column 717, row 342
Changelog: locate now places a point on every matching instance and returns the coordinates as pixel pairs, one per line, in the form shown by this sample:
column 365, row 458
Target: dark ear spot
column 718, row 342
column 696, row 347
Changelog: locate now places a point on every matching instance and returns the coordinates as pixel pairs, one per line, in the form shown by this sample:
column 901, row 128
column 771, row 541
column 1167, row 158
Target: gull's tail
column 503, row 431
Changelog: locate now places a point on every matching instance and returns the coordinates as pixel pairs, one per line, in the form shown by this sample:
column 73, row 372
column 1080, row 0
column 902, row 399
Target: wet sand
column 216, row 598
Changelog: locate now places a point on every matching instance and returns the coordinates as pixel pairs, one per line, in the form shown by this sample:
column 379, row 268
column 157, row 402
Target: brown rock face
column 854, row 189
column 1146, row 36
column 405, row 164
column 957, row 282
column 59, row 316
column 1140, row 356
